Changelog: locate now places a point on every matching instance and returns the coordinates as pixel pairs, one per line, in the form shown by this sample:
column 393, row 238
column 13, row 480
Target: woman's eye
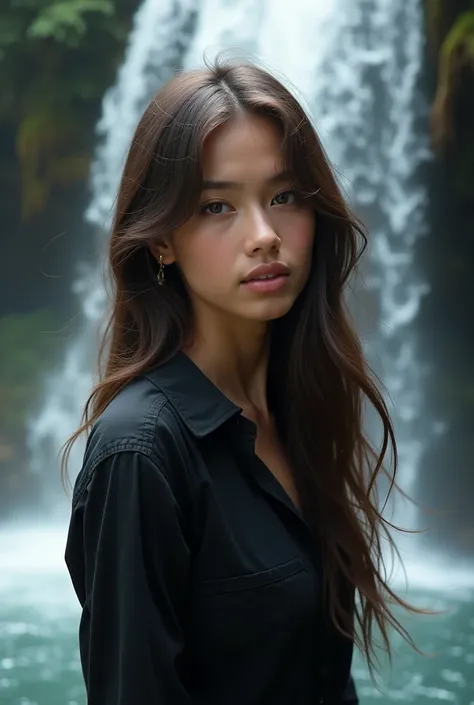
column 214, row 208
column 285, row 198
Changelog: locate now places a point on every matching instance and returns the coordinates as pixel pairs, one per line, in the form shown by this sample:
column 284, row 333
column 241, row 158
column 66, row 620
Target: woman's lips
column 266, row 285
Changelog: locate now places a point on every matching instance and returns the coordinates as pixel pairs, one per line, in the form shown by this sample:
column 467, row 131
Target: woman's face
column 247, row 217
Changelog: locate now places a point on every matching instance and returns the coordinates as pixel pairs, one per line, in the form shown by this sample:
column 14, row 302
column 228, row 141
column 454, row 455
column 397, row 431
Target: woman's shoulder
column 133, row 420
column 139, row 420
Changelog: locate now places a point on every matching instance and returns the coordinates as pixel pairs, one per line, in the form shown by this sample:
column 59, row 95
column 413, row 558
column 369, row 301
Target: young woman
column 223, row 521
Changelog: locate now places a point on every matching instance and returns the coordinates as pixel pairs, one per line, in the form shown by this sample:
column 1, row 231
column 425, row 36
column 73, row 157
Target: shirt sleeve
column 350, row 693
column 129, row 563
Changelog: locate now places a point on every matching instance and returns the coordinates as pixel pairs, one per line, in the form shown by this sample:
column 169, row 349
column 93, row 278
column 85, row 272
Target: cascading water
column 356, row 67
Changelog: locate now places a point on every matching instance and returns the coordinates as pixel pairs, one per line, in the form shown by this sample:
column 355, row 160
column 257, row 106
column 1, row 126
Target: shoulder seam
column 144, row 446
column 110, row 450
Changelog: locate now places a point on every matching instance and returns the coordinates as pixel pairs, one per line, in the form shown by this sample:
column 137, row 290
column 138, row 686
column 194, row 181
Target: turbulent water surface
column 39, row 662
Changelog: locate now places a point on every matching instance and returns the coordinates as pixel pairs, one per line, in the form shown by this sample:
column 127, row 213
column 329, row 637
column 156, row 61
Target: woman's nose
column 261, row 234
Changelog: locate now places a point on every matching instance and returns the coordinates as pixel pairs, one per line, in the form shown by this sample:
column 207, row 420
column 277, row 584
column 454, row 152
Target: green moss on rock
column 63, row 54
column 456, row 54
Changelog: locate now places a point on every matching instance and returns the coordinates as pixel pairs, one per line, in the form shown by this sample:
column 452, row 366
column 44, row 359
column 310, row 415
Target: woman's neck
column 238, row 366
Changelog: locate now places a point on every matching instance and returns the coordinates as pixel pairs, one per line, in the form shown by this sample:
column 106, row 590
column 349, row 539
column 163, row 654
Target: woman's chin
column 266, row 311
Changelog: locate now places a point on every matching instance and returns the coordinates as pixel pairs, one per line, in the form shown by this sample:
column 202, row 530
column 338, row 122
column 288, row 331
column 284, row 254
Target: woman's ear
column 161, row 248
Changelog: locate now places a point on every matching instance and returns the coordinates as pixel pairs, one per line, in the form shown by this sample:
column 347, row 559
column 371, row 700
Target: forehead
column 244, row 149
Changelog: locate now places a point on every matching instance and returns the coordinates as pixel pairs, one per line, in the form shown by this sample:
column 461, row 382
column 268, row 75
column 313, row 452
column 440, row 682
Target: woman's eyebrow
column 211, row 184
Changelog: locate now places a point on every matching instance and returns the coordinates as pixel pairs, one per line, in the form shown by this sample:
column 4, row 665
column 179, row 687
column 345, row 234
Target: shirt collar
column 200, row 404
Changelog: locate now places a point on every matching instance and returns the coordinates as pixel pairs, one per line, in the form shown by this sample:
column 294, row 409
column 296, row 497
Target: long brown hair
column 318, row 378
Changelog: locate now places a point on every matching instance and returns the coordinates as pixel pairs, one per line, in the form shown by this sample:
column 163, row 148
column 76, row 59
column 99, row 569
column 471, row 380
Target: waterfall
column 355, row 65
column 160, row 32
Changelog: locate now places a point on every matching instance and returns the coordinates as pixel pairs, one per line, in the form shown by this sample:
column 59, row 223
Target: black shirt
column 198, row 576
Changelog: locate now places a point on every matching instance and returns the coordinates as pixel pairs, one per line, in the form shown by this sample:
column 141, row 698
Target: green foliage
column 27, row 343
column 57, row 57
column 66, row 21
column 460, row 38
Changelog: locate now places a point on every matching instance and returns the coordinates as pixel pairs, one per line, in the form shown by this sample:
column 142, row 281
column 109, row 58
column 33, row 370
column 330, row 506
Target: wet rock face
column 446, row 480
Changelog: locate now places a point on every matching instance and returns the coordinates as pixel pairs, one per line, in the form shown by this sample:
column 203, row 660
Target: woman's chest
column 256, row 575
column 271, row 453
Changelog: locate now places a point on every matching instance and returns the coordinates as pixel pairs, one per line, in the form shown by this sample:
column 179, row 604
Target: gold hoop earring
column 161, row 272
